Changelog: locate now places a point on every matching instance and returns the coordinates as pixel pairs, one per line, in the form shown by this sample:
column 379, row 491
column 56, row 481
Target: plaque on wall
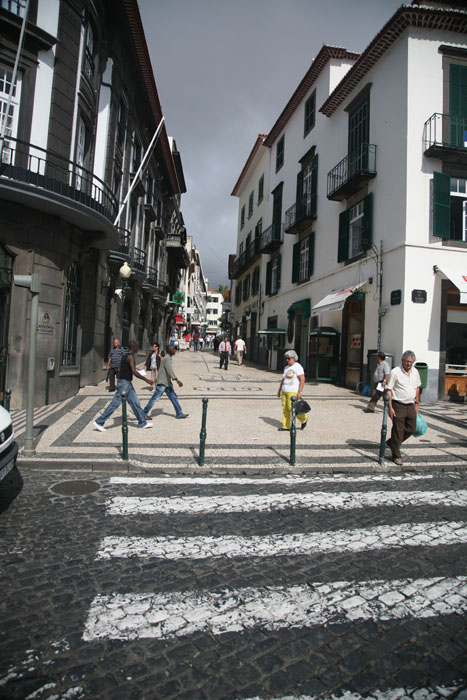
column 418, row 296
column 396, row 297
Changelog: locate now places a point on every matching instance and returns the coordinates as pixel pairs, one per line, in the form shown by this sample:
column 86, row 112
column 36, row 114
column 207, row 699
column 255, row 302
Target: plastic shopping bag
column 421, row 426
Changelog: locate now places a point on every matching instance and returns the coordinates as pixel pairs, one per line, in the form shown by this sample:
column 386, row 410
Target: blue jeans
column 124, row 385
column 169, row 390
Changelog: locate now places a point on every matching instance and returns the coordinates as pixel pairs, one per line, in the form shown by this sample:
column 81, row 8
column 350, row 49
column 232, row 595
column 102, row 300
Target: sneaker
column 98, row 426
column 146, row 425
column 183, row 415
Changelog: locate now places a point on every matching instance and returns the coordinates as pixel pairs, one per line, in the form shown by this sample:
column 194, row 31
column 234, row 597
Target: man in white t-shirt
column 292, row 383
column 240, row 350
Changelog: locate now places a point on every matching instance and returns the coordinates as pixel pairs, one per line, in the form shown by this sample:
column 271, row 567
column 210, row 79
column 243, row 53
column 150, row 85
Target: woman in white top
column 292, row 383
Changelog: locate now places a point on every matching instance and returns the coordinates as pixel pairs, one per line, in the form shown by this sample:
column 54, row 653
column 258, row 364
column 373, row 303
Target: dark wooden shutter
column 268, row 277
column 458, row 104
column 367, row 234
column 299, row 212
column 441, row 205
column 295, row 262
column 314, row 187
column 279, row 264
column 343, row 244
column 311, row 254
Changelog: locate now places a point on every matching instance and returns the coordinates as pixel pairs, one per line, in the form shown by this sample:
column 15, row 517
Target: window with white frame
column 303, row 260
column 355, row 230
column 6, row 75
column 458, row 209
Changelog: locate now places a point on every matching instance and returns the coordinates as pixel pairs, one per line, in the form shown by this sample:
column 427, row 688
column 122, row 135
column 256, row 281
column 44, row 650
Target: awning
column 304, row 305
column 179, row 319
column 457, row 277
column 271, row 331
column 336, row 300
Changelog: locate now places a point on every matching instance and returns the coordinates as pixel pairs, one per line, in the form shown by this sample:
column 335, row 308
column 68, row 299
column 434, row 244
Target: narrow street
column 186, row 587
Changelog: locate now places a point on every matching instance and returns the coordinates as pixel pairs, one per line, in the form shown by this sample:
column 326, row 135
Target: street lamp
column 125, row 273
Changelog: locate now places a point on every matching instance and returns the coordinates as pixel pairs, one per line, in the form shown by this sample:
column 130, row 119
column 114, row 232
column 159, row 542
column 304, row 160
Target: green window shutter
column 314, row 186
column 458, row 103
column 268, row 277
column 279, row 264
column 441, row 205
column 295, row 262
column 299, row 200
column 367, row 238
column 343, row 245
column 311, row 254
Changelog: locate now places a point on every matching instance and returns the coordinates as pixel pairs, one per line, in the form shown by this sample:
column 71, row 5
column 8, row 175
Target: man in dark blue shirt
column 113, row 363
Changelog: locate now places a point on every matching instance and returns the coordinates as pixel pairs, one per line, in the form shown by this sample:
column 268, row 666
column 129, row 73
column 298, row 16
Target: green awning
column 304, row 305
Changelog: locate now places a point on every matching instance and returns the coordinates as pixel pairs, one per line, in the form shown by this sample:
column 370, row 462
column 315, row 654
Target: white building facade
column 368, row 204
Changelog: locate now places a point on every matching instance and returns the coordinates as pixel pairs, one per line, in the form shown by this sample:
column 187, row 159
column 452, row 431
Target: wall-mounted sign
column 356, row 341
column 418, row 296
column 396, row 297
column 46, row 322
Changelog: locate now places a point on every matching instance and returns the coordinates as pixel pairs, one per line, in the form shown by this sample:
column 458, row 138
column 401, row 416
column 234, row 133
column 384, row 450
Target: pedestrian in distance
column 113, row 362
column 240, row 350
column 380, row 378
column 127, row 371
column 153, row 362
column 225, row 350
column 403, row 389
column 292, row 383
column 195, row 341
column 164, row 385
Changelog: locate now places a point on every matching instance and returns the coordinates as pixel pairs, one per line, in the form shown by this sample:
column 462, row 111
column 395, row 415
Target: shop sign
column 396, row 297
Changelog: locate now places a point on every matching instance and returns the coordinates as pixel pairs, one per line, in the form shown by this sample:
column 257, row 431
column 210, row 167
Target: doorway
column 6, row 267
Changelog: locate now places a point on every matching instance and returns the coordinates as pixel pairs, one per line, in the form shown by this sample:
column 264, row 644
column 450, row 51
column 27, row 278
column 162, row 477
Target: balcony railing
column 244, row 260
column 138, row 259
column 151, row 279
column 300, row 214
column 272, row 238
column 122, row 252
column 45, row 170
column 445, row 137
column 353, row 171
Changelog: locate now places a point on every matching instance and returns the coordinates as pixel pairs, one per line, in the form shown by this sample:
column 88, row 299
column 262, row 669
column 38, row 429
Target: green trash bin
column 423, row 372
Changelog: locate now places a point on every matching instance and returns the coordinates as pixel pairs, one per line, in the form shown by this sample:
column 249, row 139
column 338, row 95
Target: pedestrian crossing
column 398, row 563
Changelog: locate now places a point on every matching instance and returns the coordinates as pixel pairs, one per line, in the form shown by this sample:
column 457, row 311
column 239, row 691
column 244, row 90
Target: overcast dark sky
column 224, row 70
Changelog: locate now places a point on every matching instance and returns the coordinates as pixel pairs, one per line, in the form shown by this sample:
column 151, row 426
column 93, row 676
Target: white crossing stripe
column 165, row 615
column 265, row 481
column 130, row 505
column 432, row 534
column 388, row 694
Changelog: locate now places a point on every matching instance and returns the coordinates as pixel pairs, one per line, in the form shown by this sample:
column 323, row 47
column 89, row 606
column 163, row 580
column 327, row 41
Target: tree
column 225, row 291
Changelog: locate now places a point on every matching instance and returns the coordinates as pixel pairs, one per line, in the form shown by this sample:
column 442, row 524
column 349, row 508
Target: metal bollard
column 202, row 434
column 384, row 429
column 124, row 427
column 7, row 399
column 293, row 433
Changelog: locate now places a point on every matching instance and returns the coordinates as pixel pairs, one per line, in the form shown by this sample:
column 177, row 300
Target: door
column 354, row 361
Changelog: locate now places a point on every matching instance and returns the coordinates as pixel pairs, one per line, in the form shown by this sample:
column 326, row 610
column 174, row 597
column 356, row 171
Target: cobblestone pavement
column 183, row 587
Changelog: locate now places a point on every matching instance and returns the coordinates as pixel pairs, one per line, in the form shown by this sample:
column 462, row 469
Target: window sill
column 72, row 371
column 453, row 244
column 355, row 258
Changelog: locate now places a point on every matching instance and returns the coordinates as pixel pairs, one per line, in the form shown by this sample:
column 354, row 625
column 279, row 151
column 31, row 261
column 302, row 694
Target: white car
column 8, row 445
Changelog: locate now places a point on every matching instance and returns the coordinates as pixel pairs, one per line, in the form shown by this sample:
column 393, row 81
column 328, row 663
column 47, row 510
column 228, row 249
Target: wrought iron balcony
column 244, row 260
column 45, row 180
column 445, row 137
column 138, row 260
column 300, row 215
column 353, row 171
column 151, row 280
column 271, row 238
column 122, row 252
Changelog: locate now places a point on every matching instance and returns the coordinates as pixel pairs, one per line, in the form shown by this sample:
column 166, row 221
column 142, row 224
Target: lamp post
column 124, row 274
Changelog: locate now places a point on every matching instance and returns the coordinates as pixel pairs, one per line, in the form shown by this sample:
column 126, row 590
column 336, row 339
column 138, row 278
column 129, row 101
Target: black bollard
column 293, row 433
column 7, row 399
column 124, row 427
column 202, row 434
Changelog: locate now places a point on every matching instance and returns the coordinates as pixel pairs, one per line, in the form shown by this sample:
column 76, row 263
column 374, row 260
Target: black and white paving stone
column 179, row 587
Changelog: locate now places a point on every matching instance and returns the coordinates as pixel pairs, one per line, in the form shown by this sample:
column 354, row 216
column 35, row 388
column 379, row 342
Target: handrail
column 445, row 130
column 43, row 168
